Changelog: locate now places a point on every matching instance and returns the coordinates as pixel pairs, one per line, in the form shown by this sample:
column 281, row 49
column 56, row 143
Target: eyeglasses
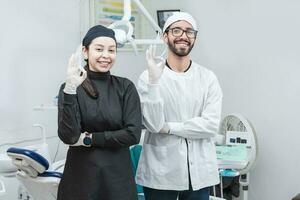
column 178, row 32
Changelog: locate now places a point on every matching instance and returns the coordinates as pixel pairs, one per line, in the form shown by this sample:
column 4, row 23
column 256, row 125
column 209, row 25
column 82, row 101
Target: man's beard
column 178, row 51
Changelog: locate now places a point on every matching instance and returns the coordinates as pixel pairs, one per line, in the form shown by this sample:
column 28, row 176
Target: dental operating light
column 124, row 29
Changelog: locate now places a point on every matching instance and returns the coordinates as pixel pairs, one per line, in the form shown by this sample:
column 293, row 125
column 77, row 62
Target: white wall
column 254, row 47
column 36, row 37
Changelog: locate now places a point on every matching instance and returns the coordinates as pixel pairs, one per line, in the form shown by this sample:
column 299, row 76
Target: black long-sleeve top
column 102, row 171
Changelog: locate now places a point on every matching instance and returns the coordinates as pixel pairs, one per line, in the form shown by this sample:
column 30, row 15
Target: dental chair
column 34, row 175
column 41, row 183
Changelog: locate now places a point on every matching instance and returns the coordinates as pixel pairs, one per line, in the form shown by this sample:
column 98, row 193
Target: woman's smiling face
column 101, row 54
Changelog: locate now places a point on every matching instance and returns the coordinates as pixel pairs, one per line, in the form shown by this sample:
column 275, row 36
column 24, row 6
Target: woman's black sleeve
column 69, row 119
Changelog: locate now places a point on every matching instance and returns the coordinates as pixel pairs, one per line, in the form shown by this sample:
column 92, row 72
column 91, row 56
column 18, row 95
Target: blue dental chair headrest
column 31, row 162
column 31, row 154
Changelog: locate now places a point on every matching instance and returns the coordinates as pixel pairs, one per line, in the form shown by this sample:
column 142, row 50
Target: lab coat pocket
column 154, row 159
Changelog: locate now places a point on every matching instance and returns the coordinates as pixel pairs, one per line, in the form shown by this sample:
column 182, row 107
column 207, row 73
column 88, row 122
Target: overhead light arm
column 148, row 16
column 124, row 29
column 127, row 10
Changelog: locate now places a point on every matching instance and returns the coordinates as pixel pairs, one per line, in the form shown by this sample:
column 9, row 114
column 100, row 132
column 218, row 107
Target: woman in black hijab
column 99, row 117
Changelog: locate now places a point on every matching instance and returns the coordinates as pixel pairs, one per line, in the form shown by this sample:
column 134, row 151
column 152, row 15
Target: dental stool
column 41, row 184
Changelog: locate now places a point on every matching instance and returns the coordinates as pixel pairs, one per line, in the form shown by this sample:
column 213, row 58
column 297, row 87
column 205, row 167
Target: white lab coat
column 190, row 103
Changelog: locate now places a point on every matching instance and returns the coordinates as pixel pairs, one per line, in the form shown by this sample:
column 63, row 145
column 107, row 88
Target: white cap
column 178, row 16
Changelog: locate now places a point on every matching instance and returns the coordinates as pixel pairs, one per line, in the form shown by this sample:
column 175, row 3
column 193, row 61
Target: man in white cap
column 181, row 104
